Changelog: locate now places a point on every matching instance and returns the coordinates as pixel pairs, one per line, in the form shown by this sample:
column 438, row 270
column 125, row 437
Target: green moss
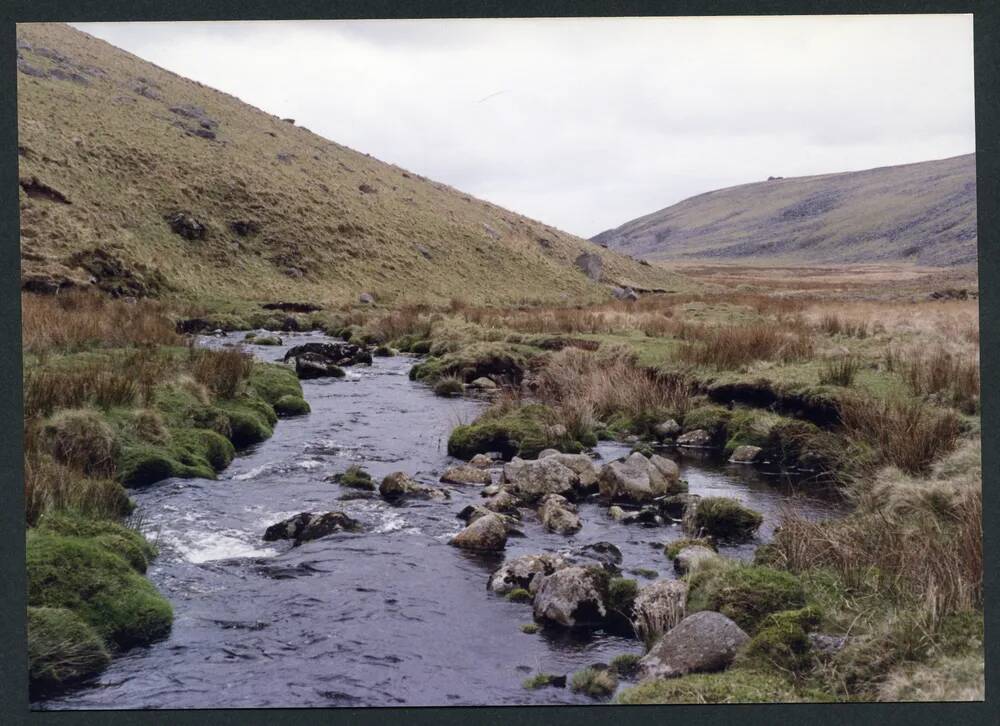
column 626, row 665
column 82, row 439
column 201, row 451
column 62, row 648
column 745, row 593
column 113, row 537
column 594, row 682
column 519, row 594
column 724, row 518
column 471, row 362
column 736, row 685
column 529, row 628
column 710, row 418
column 101, row 588
column 645, row 572
column 524, row 431
column 448, row 387
column 383, row 351
column 248, row 421
column 272, row 382
column 142, row 464
column 621, row 595
column 783, row 645
column 355, row 477
column 674, row 548
column 421, row 347
column 291, row 406
column 267, row 340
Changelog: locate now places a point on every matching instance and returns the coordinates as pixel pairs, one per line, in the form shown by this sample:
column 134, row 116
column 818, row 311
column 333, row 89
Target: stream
column 393, row 616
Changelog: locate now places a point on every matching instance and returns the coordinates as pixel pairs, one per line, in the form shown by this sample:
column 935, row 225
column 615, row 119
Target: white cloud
column 587, row 123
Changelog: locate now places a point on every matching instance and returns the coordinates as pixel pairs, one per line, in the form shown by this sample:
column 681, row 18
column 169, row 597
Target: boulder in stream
column 307, row 526
column 525, row 572
column 400, row 485
column 558, row 514
column 466, row 474
column 487, row 532
column 705, row 641
column 573, row 596
column 638, row 479
column 532, row 479
column 318, row 360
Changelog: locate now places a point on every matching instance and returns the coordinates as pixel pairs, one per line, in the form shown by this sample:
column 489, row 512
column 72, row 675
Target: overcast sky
column 588, row 123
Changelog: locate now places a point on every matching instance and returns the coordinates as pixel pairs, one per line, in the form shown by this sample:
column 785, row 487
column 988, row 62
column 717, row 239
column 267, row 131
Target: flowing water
column 390, row 617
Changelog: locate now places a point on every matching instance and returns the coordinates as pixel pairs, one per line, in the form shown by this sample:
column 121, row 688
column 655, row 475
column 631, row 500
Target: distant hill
column 138, row 180
column 922, row 213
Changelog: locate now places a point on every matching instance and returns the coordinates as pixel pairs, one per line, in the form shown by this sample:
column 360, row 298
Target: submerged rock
column 573, row 597
column 466, row 474
column 399, row 485
column 705, row 641
column 307, row 526
column 605, row 553
column 558, row 514
column 331, row 355
column 525, row 572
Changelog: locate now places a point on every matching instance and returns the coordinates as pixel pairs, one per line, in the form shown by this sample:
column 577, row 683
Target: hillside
column 148, row 183
column 922, row 213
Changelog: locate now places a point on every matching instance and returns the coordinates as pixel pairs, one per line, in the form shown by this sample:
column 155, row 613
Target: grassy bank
column 115, row 399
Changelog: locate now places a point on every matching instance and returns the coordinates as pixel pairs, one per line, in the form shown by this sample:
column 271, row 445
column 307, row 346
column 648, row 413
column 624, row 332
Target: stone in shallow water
column 307, row 526
column 465, row 474
column 705, row 641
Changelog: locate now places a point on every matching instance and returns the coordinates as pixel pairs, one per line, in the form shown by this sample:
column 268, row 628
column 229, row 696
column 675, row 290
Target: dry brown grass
column 908, row 434
column 584, row 387
column 73, row 321
column 920, row 557
column 729, row 347
column 952, row 376
column 833, row 324
column 49, row 486
column 221, row 371
column 51, row 388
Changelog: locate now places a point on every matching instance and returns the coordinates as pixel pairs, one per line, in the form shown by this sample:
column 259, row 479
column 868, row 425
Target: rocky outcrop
column 308, row 526
column 625, row 294
column 705, row 641
column 558, row 514
column 484, row 533
column 591, row 264
column 638, row 479
column 573, row 597
column 530, row 480
column 322, row 360
column 658, row 608
column 185, row 225
column 503, row 502
column 607, row 555
column 525, row 572
column 465, row 474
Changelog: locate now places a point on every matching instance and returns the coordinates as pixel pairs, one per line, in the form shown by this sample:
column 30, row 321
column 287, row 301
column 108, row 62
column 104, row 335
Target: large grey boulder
column 705, row 641
column 658, row 608
column 531, row 480
column 503, row 502
column 485, row 533
column 579, row 463
column 525, row 572
column 573, row 597
column 558, row 514
column 638, row 479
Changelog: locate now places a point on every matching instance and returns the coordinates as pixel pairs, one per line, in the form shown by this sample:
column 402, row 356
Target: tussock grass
column 953, row 377
column 729, row 347
column 907, row 433
column 833, row 324
column 840, row 371
column 51, row 388
column 221, row 371
column 584, row 387
column 76, row 320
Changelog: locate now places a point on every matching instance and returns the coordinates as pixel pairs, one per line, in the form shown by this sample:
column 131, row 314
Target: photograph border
column 13, row 666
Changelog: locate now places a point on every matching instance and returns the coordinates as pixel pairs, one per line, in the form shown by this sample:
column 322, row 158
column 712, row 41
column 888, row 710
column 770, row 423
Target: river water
column 393, row 616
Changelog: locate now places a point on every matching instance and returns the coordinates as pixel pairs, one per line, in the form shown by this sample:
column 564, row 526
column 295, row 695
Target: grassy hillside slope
column 111, row 148
column 922, row 213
